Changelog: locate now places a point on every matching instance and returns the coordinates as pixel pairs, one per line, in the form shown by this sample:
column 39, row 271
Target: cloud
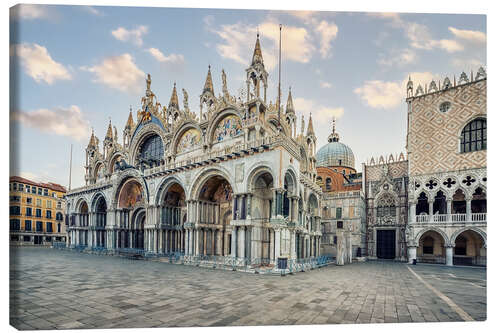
column 469, row 35
column 118, row 72
column 29, row 12
column 319, row 112
column 389, row 95
column 324, row 84
column 171, row 58
column 420, row 36
column 92, row 10
column 467, row 64
column 37, row 63
column 68, row 122
column 398, row 58
column 450, row 45
column 238, row 40
column 134, row 35
column 296, row 43
column 327, row 32
column 394, row 18
column 380, row 94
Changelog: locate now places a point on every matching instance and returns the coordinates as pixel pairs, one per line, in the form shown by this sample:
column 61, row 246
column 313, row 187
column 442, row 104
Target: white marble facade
column 236, row 180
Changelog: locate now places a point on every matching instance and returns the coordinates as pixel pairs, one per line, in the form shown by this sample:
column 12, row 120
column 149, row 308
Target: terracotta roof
column 49, row 185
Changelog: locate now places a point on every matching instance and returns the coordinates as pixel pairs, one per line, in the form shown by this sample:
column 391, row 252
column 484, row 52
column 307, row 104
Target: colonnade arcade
column 464, row 247
column 457, row 207
column 208, row 232
column 258, row 226
column 79, row 222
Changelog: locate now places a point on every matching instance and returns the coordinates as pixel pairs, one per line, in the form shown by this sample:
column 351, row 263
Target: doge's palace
column 446, row 146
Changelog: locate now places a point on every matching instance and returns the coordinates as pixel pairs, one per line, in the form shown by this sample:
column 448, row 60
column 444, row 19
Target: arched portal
column 130, row 198
column 213, row 206
column 431, row 248
column 469, row 249
column 100, row 222
column 262, row 204
column 173, row 217
column 137, row 229
column 83, row 221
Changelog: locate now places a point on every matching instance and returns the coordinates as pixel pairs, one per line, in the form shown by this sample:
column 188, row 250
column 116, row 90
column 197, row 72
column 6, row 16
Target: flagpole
column 70, row 165
column 279, row 85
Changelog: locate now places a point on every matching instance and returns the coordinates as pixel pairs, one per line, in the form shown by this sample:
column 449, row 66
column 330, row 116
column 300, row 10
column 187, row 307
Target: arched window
column 473, row 136
column 152, row 149
column 328, row 184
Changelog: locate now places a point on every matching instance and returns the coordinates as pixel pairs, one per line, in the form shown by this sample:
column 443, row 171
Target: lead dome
column 335, row 153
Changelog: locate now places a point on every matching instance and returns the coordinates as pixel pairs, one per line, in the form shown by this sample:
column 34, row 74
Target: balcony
column 454, row 218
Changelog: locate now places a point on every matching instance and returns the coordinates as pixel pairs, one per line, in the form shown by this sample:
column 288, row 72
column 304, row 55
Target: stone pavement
column 54, row 289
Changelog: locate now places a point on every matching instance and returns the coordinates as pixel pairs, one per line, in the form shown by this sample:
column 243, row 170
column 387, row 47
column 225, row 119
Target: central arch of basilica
column 236, row 179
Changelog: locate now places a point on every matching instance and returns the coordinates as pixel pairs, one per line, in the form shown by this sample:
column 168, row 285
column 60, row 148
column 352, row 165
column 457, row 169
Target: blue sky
column 77, row 66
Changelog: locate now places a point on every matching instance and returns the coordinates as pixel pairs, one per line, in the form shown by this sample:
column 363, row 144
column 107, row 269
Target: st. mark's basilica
column 239, row 180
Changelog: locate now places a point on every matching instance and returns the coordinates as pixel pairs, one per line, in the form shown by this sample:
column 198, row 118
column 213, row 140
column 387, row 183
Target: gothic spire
column 310, row 129
column 109, row 133
column 130, row 120
column 289, row 103
column 257, row 53
column 93, row 141
column 209, row 86
column 174, row 99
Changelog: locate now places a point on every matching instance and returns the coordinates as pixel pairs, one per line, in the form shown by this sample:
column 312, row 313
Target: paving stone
column 64, row 290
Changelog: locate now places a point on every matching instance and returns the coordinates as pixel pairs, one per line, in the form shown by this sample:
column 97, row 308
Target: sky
column 73, row 68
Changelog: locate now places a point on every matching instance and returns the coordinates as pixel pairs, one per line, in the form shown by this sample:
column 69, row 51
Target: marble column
column 448, row 209
column 340, row 247
column 197, row 242
column 293, row 250
column 468, row 210
column 277, row 244
column 431, row 210
column 412, row 253
column 449, row 256
column 234, row 241
column 241, row 242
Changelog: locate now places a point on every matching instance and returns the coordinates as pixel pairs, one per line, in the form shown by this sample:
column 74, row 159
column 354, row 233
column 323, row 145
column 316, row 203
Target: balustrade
column 441, row 218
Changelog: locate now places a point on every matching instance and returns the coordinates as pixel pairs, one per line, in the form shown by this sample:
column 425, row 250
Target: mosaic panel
column 189, row 140
column 228, row 127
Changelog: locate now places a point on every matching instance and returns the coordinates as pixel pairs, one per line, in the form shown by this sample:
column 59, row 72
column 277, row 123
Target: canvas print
column 215, row 167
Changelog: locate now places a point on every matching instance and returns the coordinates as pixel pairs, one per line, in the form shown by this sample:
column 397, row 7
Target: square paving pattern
column 55, row 289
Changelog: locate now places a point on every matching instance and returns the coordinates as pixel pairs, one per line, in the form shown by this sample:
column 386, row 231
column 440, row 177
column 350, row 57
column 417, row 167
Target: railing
column 439, row 218
column 422, row 218
column 459, row 217
column 443, row 218
column 478, row 217
column 214, row 154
